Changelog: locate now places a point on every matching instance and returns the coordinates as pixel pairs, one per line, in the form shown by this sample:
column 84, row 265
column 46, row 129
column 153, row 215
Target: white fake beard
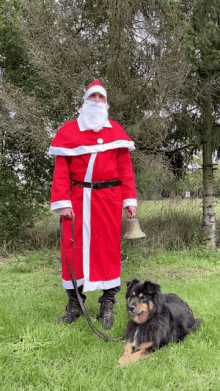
column 94, row 114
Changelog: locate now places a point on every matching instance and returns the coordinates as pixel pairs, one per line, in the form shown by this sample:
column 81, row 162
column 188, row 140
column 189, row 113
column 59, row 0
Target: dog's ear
column 131, row 283
column 151, row 287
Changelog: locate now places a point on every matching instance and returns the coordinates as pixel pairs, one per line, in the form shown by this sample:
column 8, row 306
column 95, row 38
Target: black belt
column 97, row 185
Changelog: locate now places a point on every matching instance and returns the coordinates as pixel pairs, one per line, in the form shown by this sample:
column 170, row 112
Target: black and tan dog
column 155, row 319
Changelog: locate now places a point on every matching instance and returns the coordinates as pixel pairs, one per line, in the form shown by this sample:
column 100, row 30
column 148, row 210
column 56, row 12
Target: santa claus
column 93, row 181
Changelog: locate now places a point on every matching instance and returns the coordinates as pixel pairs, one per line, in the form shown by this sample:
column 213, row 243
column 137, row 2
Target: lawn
column 36, row 353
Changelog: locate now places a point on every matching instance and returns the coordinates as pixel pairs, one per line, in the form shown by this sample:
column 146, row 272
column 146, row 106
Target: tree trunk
column 208, row 226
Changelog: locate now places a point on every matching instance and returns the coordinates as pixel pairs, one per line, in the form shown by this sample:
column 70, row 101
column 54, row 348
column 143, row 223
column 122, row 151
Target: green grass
column 36, row 353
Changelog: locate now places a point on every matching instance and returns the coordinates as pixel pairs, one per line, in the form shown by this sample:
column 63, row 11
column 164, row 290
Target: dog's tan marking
column 143, row 312
column 133, row 293
column 141, row 294
column 141, row 307
column 129, row 358
column 128, row 349
column 127, row 353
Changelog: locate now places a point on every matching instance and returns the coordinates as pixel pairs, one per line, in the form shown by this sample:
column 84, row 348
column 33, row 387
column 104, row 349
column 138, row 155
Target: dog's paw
column 123, row 360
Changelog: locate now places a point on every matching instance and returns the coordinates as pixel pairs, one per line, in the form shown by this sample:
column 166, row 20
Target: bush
column 14, row 217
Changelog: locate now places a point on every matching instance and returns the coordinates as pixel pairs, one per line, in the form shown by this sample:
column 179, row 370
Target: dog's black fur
column 169, row 319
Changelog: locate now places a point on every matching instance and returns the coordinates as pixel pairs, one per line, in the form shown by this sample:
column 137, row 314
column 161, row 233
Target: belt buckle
column 95, row 185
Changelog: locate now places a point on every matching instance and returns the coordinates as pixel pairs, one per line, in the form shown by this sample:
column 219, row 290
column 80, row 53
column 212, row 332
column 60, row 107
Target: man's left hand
column 130, row 211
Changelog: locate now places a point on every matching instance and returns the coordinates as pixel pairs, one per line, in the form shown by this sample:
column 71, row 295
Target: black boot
column 106, row 314
column 73, row 312
column 73, row 309
column 107, row 300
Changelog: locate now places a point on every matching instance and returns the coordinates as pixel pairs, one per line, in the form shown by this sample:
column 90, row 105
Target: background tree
column 196, row 114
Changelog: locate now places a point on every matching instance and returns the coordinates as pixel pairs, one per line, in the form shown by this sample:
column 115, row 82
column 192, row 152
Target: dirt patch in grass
column 161, row 272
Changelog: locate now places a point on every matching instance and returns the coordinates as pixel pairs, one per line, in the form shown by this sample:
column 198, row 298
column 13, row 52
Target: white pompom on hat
column 95, row 86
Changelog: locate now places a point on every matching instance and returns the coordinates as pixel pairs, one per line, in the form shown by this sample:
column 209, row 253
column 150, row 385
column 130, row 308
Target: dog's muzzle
column 133, row 308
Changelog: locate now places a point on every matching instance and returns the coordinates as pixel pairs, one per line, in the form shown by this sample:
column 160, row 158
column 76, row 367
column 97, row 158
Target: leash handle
column 73, row 279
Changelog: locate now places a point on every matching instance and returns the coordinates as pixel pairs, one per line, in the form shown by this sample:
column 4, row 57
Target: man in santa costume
column 93, row 180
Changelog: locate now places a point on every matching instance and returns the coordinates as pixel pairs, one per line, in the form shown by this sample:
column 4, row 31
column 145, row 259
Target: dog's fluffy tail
column 196, row 324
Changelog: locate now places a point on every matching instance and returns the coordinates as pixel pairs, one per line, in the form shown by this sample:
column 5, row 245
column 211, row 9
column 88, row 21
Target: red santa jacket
column 70, row 141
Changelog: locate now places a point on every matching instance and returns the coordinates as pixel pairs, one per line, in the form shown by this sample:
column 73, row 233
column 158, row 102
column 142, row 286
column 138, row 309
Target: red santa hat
column 95, row 86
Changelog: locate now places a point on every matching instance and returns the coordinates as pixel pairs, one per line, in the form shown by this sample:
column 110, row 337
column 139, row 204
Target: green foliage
column 13, row 55
column 15, row 216
column 191, row 182
column 14, row 60
column 203, row 37
column 25, row 180
column 17, row 210
column 153, row 183
column 26, row 168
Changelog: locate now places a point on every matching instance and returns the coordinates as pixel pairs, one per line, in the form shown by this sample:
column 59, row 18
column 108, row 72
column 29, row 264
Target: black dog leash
column 73, row 279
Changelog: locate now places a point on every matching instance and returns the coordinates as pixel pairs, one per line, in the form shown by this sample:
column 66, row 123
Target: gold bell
column 133, row 230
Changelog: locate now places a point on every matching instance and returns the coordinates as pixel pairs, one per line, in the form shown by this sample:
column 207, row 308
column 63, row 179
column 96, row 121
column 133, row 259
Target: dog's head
column 140, row 298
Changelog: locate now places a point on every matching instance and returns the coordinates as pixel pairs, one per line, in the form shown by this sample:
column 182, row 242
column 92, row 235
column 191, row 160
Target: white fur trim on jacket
column 56, row 206
column 130, row 202
column 91, row 148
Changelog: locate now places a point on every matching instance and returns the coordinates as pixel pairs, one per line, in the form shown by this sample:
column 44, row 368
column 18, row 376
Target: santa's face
column 97, row 97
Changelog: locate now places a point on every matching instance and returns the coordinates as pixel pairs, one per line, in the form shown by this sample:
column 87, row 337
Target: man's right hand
column 68, row 213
